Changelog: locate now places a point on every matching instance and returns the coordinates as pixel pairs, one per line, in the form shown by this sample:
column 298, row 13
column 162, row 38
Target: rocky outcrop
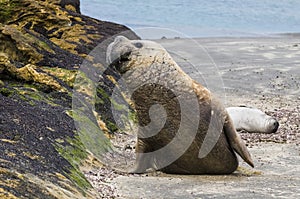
column 42, row 45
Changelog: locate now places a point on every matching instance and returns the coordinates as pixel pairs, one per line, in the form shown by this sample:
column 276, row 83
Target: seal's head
column 261, row 122
column 124, row 53
column 271, row 125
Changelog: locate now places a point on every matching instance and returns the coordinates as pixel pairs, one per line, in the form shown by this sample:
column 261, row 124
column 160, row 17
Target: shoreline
column 156, row 33
column 245, row 36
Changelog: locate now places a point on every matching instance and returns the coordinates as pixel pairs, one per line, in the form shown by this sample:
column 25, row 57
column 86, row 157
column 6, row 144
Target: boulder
column 42, row 45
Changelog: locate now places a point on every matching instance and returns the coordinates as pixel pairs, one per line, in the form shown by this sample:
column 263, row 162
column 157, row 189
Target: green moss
column 102, row 92
column 68, row 76
column 118, row 107
column 7, row 9
column 77, row 150
column 84, row 85
column 132, row 115
column 30, row 94
column 38, row 43
column 44, row 46
column 127, row 116
column 75, row 153
column 6, row 91
column 82, row 117
column 90, row 133
column 111, row 126
column 78, row 178
column 2, row 84
column 99, row 100
column 105, row 97
column 33, row 95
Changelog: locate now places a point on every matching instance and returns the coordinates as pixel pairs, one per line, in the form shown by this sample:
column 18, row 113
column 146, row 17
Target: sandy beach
column 262, row 72
column 259, row 65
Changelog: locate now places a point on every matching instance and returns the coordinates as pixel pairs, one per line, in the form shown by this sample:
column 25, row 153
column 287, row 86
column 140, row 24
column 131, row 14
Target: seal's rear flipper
column 236, row 141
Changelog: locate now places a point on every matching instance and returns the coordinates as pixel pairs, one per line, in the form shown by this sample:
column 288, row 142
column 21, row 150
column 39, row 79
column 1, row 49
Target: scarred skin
column 196, row 136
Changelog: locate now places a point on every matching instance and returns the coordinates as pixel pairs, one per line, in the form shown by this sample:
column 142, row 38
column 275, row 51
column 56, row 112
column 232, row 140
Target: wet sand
column 276, row 176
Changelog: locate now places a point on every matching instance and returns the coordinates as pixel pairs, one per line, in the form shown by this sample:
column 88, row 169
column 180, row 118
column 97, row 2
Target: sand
column 262, row 72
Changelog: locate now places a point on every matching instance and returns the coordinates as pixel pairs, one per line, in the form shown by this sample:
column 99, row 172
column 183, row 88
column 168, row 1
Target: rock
column 42, row 44
column 73, row 5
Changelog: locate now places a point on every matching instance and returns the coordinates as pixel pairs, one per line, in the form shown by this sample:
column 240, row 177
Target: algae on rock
column 42, row 45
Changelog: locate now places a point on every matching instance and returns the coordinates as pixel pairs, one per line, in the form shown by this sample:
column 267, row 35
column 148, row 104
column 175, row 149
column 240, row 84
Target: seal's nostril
column 138, row 45
column 120, row 39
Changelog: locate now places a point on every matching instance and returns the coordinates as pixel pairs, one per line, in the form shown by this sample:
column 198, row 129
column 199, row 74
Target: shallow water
column 196, row 18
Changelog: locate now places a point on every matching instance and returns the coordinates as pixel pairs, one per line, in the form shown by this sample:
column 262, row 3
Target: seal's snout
column 276, row 125
column 116, row 49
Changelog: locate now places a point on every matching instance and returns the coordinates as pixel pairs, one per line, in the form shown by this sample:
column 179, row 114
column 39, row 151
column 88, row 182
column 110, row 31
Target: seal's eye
column 138, row 45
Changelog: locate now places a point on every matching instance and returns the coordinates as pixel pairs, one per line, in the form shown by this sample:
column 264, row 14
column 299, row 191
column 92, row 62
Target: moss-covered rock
column 42, row 45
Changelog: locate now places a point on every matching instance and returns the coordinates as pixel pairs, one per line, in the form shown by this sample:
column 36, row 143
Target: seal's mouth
column 118, row 53
column 120, row 61
column 273, row 126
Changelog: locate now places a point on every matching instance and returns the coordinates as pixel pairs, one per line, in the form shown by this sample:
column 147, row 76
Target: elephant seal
column 252, row 120
column 183, row 128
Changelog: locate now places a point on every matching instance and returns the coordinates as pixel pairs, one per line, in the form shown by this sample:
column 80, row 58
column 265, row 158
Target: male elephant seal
column 252, row 120
column 183, row 128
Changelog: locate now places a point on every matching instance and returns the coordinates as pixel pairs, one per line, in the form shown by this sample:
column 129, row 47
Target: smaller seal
column 252, row 120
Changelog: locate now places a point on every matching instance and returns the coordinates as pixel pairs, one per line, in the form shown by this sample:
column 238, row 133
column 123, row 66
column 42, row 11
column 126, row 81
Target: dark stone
column 75, row 3
column 42, row 44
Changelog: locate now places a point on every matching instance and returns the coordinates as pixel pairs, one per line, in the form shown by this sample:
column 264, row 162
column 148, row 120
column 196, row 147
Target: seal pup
column 252, row 120
column 183, row 128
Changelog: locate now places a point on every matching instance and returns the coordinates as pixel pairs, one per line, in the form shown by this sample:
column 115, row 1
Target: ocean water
column 200, row 18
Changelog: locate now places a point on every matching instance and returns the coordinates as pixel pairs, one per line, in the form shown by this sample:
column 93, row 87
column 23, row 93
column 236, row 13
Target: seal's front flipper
column 236, row 141
column 142, row 165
